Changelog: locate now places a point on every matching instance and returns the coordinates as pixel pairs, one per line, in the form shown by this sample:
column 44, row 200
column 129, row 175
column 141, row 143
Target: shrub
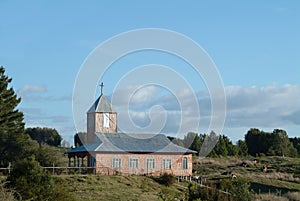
column 167, row 179
column 5, row 193
column 30, row 180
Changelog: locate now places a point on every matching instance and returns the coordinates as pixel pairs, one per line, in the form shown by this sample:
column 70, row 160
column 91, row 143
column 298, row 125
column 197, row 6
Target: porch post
column 69, row 161
column 74, row 161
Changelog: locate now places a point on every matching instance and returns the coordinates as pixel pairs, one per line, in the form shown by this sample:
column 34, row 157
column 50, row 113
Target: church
column 109, row 152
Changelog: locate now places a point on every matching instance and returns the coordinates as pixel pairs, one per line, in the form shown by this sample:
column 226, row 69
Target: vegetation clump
column 167, row 179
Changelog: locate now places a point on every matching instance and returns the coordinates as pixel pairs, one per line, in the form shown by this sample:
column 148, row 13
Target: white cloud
column 29, row 89
column 38, row 93
column 267, row 106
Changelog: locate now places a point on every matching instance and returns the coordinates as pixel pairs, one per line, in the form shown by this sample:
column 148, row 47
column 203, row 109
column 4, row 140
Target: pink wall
column 104, row 164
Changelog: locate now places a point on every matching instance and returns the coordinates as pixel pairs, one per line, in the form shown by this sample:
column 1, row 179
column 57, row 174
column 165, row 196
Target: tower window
column 106, row 120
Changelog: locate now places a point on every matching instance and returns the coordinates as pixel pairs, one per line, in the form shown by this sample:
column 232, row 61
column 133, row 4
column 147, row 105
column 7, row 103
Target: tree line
column 255, row 143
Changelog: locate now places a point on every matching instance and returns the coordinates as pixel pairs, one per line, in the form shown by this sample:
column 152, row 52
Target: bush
column 6, row 194
column 167, row 179
column 30, row 180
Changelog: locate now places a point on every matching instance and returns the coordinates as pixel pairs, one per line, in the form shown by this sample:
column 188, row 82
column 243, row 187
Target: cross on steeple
column 101, row 85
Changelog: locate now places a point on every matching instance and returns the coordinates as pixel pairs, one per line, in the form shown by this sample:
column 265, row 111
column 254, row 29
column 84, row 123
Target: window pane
column 150, row 163
column 106, row 120
column 184, row 163
column 116, row 163
column 167, row 163
column 133, row 163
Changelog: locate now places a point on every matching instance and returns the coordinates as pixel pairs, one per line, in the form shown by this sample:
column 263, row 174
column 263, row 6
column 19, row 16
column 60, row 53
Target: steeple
column 101, row 117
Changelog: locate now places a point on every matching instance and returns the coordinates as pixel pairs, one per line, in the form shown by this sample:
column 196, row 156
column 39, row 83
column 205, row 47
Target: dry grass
column 293, row 196
column 269, row 197
column 290, row 196
column 6, row 194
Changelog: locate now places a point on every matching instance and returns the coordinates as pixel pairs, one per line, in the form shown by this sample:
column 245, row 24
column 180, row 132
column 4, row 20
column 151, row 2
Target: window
column 133, row 163
column 106, row 120
column 150, row 163
column 166, row 163
column 184, row 163
column 116, row 163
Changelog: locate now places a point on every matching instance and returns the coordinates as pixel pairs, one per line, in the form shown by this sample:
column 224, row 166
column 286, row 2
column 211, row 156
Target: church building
column 109, row 152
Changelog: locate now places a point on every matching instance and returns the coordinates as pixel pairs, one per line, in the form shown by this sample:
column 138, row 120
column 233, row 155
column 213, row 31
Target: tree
column 189, row 139
column 80, row 139
column 221, row 149
column 196, row 144
column 296, row 144
column 276, row 143
column 242, row 148
column 30, row 180
column 48, row 136
column 12, row 136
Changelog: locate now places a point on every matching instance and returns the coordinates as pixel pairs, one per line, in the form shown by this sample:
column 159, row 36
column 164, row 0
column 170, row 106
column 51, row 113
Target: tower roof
column 101, row 105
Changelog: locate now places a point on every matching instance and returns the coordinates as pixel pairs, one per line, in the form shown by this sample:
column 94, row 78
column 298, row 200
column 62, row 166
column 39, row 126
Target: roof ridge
column 101, row 104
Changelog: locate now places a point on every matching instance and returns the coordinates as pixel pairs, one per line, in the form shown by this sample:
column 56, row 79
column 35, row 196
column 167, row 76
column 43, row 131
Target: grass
column 100, row 187
column 282, row 178
column 282, row 175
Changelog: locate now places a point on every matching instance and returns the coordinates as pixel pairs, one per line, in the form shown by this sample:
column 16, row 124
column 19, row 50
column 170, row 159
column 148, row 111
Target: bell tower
column 101, row 117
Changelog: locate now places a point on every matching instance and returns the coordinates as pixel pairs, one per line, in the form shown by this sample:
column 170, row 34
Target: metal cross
column 101, row 85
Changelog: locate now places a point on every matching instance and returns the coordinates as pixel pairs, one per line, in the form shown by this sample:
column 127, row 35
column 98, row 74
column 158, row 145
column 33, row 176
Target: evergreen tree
column 81, row 139
column 242, row 148
column 196, row 145
column 12, row 135
column 221, row 149
column 296, row 144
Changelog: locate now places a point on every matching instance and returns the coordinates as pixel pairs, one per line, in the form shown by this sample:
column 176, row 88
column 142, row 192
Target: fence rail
column 57, row 170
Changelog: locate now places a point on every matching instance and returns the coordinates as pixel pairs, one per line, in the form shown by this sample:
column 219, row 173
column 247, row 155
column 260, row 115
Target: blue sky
column 254, row 44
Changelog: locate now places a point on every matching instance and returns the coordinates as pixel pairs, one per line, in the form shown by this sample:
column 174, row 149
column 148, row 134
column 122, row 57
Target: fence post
column 9, row 165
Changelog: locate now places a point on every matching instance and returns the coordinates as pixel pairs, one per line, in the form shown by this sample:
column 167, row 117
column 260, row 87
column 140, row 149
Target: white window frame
column 106, row 120
column 133, row 163
column 184, row 162
column 150, row 163
column 166, row 163
column 116, row 163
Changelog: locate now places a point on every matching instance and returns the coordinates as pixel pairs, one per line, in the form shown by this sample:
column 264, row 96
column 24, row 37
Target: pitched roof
column 101, row 105
column 132, row 143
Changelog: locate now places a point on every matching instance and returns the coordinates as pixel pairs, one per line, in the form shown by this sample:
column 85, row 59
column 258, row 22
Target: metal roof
column 101, row 105
column 132, row 143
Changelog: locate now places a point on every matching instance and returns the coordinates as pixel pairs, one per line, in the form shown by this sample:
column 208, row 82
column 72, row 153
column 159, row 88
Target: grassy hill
column 281, row 179
column 283, row 176
column 100, row 187
column 283, row 173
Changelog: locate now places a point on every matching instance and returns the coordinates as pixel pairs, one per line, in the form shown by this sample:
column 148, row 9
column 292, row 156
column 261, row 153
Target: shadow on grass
column 263, row 188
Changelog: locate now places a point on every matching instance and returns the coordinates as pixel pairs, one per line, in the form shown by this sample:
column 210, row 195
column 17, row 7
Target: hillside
column 100, row 187
column 283, row 176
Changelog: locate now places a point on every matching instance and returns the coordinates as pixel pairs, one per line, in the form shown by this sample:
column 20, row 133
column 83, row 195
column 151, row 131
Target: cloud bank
column 267, row 106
